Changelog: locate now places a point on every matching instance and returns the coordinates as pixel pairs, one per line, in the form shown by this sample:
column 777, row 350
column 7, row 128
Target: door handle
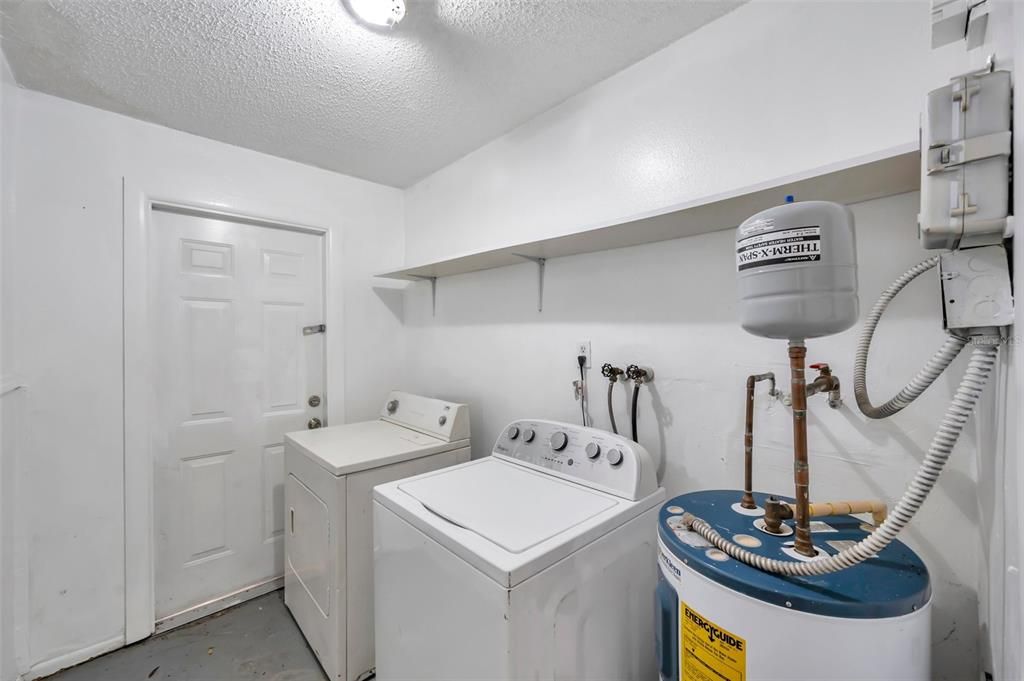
column 314, row 423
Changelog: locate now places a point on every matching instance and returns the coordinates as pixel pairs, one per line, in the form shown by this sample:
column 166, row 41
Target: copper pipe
column 748, row 438
column 801, row 470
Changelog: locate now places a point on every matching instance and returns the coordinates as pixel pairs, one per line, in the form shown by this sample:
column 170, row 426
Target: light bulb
column 384, row 13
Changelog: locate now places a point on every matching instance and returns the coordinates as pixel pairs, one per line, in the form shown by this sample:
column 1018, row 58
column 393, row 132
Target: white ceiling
column 300, row 79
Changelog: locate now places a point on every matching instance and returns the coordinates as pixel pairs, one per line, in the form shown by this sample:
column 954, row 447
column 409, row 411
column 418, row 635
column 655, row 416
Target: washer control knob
column 513, row 432
column 559, row 441
column 593, row 450
column 528, row 435
column 614, row 457
column 392, row 406
column 442, row 419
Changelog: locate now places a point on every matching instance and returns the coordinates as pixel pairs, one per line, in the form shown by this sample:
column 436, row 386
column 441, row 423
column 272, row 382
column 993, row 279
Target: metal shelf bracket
column 540, row 262
column 433, row 291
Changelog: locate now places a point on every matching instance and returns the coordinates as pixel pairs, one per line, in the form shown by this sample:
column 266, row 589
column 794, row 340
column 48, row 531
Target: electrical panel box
column 965, row 162
column 949, row 21
column 955, row 20
column 976, row 291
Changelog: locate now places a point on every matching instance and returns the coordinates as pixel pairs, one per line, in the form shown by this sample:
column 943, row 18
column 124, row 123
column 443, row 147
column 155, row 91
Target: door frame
column 139, row 199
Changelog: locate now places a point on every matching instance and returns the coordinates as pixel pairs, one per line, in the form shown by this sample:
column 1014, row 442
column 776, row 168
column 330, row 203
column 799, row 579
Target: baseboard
column 55, row 664
column 217, row 604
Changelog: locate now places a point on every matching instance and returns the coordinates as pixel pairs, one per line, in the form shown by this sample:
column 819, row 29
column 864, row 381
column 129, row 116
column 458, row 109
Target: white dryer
column 331, row 473
column 537, row 562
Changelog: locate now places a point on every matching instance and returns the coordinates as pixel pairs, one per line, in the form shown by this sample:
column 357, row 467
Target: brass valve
column 610, row 372
column 639, row 374
column 825, row 382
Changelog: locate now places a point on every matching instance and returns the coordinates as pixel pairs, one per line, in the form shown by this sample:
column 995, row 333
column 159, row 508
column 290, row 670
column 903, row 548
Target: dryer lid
column 508, row 505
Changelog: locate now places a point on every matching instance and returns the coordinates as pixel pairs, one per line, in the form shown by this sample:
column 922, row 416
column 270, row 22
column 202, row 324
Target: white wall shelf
column 885, row 173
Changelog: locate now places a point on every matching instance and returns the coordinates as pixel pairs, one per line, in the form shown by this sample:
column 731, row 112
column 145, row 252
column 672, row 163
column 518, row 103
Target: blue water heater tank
column 723, row 620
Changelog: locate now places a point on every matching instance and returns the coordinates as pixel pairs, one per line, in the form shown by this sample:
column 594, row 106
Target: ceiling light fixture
column 377, row 13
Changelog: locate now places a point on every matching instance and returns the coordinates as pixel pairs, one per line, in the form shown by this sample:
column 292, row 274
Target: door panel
column 234, row 372
column 309, row 524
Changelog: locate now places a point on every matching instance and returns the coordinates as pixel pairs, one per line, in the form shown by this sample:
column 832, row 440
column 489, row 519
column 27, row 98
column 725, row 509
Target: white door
column 234, row 372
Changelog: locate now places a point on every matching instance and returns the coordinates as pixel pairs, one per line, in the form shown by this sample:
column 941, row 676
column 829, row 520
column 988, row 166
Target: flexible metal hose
column 636, row 395
column 982, row 361
column 924, row 378
column 611, row 412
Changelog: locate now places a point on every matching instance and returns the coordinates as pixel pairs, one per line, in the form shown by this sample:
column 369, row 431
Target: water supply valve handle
column 823, row 367
column 639, row 374
column 610, row 372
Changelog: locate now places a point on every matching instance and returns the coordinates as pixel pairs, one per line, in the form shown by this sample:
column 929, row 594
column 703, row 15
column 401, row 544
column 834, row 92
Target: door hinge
column 315, row 328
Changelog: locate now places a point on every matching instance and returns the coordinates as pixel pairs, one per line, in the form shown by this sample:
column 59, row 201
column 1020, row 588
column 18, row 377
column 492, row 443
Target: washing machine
column 330, row 475
column 536, row 562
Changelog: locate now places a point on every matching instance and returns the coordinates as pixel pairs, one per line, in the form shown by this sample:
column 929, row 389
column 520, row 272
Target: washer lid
column 357, row 446
column 507, row 505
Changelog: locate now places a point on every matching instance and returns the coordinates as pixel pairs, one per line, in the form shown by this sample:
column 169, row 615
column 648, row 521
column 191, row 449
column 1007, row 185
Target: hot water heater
column 723, row 617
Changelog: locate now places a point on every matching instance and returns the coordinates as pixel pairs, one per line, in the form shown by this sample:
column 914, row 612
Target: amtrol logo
column 713, row 632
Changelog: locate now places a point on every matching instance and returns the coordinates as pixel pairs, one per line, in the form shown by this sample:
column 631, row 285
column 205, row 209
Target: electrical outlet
column 583, row 348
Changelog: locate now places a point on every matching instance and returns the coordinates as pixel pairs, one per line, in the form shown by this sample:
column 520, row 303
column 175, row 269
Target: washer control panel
column 588, row 456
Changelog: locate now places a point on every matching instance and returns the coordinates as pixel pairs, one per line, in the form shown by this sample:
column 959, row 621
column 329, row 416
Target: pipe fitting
column 775, row 512
column 826, row 383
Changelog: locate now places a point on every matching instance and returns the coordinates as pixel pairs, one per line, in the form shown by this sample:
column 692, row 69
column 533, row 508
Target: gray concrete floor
column 255, row 640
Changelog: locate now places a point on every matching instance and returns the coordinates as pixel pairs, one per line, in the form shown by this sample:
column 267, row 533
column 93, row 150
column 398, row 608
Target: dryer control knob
column 559, row 441
column 512, row 432
column 614, row 457
column 528, row 435
column 392, row 406
column 593, row 450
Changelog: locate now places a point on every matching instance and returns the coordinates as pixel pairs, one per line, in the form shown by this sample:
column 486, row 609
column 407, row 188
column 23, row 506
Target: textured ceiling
column 300, row 79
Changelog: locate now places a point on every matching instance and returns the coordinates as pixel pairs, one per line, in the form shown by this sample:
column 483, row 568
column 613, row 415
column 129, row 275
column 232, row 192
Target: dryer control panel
column 448, row 421
column 587, row 456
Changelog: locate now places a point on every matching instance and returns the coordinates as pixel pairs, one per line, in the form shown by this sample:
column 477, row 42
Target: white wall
column 8, row 404
column 62, row 263
column 773, row 88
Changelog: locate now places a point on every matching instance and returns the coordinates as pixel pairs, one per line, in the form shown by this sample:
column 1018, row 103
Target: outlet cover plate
column 582, row 348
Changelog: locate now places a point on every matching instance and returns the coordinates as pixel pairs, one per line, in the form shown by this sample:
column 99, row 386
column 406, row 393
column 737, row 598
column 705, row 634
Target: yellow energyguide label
column 708, row 652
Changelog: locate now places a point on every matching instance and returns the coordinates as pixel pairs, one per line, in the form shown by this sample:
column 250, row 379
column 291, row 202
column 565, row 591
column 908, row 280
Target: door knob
column 314, row 423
